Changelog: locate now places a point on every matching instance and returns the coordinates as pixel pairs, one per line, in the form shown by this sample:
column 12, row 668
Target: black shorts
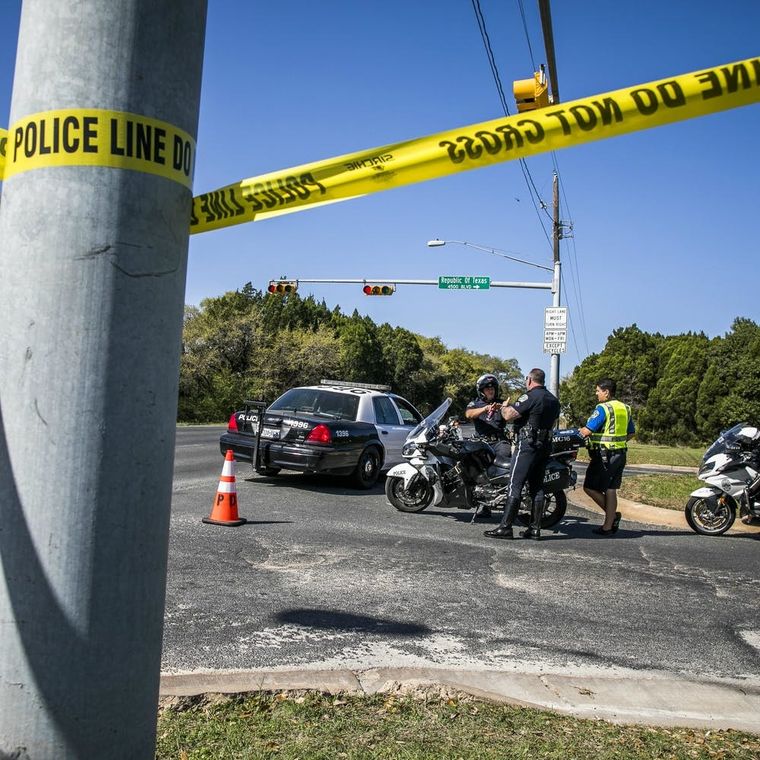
column 605, row 470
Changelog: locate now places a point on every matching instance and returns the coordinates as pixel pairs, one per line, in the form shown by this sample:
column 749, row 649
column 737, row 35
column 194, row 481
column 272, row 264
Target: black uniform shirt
column 489, row 428
column 538, row 408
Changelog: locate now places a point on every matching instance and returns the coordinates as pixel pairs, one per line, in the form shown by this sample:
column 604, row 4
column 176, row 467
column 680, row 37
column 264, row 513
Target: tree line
column 245, row 344
column 252, row 345
column 683, row 389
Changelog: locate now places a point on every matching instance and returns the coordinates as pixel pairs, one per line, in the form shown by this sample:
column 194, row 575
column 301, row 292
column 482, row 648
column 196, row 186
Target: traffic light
column 531, row 93
column 373, row 289
column 283, row 286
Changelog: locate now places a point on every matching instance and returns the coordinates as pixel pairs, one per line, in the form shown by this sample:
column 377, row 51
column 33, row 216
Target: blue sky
column 664, row 232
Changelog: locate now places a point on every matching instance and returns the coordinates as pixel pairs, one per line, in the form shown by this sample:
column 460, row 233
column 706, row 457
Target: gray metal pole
column 556, row 284
column 93, row 262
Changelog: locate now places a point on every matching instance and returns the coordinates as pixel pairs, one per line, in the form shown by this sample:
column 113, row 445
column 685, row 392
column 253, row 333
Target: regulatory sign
column 464, row 283
column 555, row 316
column 555, row 330
column 555, row 336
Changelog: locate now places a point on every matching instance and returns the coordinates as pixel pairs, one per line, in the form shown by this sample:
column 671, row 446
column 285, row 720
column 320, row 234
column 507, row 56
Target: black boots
column 500, row 532
column 534, row 531
column 505, row 527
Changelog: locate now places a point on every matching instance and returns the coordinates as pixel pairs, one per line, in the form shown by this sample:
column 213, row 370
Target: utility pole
column 548, row 34
column 94, row 257
column 557, row 281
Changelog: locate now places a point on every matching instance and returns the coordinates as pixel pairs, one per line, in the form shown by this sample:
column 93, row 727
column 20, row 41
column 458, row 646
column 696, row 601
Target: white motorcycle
column 731, row 470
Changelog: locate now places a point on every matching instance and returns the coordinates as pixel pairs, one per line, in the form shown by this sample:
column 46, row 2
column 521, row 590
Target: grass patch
column 668, row 491
column 648, row 453
column 315, row 726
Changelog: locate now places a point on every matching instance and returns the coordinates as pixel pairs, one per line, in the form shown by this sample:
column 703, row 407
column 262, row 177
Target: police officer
column 533, row 415
column 608, row 430
column 484, row 412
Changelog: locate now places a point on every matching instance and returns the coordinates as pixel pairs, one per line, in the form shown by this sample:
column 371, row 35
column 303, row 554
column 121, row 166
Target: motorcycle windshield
column 726, row 443
column 430, row 423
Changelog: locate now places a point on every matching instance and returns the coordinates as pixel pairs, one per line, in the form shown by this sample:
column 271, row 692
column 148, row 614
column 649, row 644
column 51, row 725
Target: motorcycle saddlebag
column 556, row 477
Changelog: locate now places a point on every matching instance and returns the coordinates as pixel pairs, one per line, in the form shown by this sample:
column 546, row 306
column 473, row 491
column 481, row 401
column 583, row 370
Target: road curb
column 651, row 699
column 644, row 513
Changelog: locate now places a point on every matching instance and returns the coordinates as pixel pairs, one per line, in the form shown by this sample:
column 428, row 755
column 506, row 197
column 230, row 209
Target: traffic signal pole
column 395, row 281
column 91, row 301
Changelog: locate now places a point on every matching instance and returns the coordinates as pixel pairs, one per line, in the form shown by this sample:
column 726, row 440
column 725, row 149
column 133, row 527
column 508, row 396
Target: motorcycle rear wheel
column 418, row 497
column 711, row 515
column 555, row 506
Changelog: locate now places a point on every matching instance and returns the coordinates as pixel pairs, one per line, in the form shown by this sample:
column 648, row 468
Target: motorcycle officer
column 484, row 412
column 533, row 415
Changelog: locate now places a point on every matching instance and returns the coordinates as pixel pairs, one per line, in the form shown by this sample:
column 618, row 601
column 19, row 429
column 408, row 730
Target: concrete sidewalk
column 629, row 697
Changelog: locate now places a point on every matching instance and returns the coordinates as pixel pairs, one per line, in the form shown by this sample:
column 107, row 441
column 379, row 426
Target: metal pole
column 397, row 281
column 546, row 28
column 91, row 300
column 556, row 284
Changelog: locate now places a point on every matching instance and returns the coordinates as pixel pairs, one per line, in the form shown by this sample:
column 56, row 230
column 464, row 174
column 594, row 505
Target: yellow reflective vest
column 614, row 434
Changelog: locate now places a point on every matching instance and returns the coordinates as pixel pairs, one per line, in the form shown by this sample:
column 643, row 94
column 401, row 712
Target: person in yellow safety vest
column 608, row 431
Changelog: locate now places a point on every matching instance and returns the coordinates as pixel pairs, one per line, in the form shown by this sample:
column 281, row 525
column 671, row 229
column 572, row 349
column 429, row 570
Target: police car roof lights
column 346, row 384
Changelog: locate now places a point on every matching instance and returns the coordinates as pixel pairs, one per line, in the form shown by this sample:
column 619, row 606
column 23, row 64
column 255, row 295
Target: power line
column 527, row 36
column 536, row 200
column 546, row 28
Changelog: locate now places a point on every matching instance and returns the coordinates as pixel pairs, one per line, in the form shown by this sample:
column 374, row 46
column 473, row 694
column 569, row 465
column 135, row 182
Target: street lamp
column 555, row 288
column 495, row 251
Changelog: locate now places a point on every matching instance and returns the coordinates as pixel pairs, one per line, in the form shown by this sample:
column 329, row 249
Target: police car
column 353, row 429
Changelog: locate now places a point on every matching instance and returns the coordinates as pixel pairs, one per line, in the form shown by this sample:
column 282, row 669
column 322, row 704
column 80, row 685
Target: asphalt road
column 327, row 576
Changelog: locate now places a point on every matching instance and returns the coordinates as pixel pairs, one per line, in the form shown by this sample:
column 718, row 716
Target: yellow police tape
column 580, row 121
column 3, row 143
column 80, row 137
column 96, row 137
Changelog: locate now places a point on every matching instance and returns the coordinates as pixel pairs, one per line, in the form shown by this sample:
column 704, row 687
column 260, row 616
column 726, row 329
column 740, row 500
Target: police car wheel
column 367, row 469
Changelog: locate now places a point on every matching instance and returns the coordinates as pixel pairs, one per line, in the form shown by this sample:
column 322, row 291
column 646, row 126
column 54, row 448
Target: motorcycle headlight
column 409, row 450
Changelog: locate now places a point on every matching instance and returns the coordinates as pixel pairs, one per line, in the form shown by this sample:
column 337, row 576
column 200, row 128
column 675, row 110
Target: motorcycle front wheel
column 555, row 506
column 710, row 515
column 418, row 497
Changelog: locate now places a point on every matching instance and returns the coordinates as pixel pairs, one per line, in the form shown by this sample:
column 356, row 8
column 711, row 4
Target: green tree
column 730, row 390
column 630, row 357
column 670, row 413
column 361, row 354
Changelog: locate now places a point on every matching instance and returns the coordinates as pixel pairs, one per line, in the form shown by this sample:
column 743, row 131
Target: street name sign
column 464, row 283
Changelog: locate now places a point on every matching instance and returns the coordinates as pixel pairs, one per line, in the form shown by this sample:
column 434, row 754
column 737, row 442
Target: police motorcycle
column 444, row 469
column 731, row 470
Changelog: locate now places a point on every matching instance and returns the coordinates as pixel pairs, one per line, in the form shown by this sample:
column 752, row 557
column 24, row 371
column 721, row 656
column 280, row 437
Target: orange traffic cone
column 224, row 511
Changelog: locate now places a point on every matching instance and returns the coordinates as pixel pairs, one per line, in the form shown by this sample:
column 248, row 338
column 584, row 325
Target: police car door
column 390, row 429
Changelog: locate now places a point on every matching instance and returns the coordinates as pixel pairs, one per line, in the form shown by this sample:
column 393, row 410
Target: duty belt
column 537, row 435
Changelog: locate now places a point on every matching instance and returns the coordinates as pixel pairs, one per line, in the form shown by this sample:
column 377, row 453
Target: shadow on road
column 331, row 484
column 346, row 621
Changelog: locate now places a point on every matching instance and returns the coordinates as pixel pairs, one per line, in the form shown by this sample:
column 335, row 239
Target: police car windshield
column 332, row 404
column 431, row 421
